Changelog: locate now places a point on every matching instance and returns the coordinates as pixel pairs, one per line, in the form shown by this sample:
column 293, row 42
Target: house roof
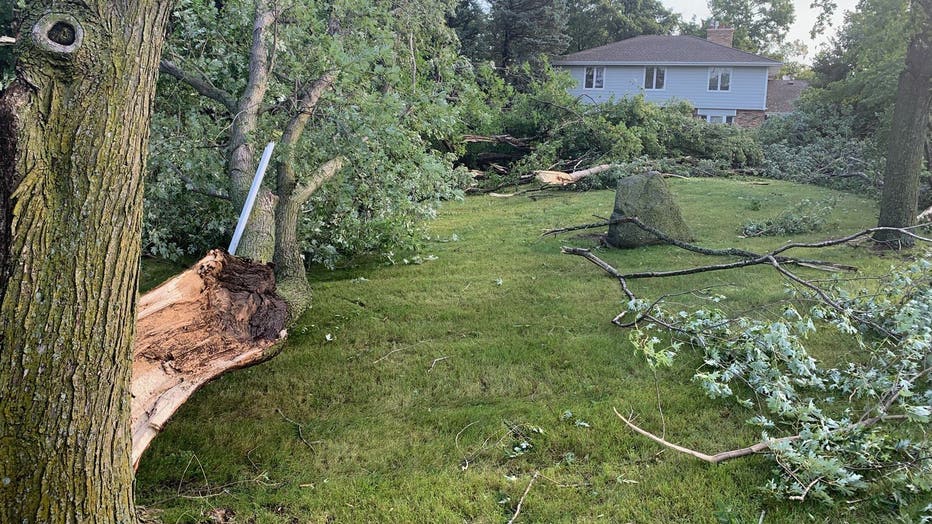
column 782, row 93
column 666, row 50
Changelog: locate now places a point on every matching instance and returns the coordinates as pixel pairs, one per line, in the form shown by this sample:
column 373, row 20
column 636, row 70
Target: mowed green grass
column 405, row 379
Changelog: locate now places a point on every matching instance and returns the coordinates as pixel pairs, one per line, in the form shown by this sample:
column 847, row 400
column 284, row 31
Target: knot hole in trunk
column 59, row 33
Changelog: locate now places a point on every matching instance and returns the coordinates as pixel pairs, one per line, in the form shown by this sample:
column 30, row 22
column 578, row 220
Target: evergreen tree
column 523, row 29
column 471, row 23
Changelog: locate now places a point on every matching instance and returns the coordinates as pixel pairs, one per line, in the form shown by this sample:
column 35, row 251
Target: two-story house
column 724, row 84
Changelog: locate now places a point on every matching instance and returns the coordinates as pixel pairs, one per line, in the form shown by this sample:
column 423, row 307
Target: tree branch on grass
column 524, row 496
column 712, row 459
column 772, row 258
column 772, row 361
column 760, row 447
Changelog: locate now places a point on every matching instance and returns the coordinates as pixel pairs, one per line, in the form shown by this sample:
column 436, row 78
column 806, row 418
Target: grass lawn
column 401, row 396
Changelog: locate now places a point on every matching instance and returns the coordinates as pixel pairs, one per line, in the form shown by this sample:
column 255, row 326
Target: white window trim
column 724, row 114
column 644, row 79
column 731, row 76
column 604, row 71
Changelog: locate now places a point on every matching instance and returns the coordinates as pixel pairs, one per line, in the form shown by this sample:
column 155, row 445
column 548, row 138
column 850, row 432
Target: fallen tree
column 222, row 314
column 559, row 178
column 829, row 430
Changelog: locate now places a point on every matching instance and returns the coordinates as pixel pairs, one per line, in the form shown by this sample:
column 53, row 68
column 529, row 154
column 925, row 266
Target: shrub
column 805, row 217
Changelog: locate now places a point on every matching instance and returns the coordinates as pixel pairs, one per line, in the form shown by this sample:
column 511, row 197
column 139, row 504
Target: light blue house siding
column 748, row 87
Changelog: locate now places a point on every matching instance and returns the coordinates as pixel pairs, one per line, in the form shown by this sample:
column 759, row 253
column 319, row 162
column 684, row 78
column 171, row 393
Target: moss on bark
column 71, row 200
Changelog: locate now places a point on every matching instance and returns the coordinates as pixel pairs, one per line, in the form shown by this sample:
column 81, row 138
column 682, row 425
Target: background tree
column 73, row 139
column 591, row 23
column 6, row 52
column 760, row 25
column 471, row 23
column 862, row 67
column 523, row 29
column 909, row 132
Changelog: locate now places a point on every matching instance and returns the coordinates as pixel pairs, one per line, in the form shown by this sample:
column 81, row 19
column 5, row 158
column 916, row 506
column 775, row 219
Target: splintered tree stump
column 220, row 315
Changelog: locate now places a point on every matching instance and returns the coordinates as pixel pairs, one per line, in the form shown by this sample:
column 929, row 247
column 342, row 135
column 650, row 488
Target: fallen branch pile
column 901, row 353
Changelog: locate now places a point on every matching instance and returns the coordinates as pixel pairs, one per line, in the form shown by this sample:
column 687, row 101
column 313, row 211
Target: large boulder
column 648, row 198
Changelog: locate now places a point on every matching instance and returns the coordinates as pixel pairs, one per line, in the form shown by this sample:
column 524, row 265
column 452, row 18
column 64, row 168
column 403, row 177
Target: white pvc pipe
column 251, row 198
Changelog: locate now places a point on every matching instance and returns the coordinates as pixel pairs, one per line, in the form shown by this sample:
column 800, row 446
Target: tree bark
column 73, row 143
column 290, row 268
column 900, row 197
column 289, row 265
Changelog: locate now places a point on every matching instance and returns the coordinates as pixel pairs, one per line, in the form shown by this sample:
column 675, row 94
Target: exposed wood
column 559, row 178
column 220, row 315
column 7, row 40
column 520, row 143
column 760, row 447
column 925, row 215
column 712, row 459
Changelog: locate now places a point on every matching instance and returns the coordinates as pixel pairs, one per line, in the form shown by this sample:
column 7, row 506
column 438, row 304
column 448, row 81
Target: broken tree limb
column 772, row 259
column 220, row 315
column 527, row 490
column 760, row 447
column 559, row 178
column 519, row 143
column 712, row 459
column 750, row 258
column 925, row 215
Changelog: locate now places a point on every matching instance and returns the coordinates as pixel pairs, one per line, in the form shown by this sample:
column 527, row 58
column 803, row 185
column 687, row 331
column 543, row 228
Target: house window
column 719, row 79
column 595, row 78
column 654, row 77
column 717, row 119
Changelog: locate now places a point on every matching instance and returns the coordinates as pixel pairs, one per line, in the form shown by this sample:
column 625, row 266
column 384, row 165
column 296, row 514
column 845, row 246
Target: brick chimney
column 720, row 35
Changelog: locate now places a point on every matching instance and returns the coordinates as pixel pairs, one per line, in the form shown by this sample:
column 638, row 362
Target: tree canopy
column 760, row 25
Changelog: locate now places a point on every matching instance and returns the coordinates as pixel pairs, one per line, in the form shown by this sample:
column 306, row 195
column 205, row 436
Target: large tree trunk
column 289, row 264
column 258, row 242
column 900, row 197
column 292, row 274
column 73, row 141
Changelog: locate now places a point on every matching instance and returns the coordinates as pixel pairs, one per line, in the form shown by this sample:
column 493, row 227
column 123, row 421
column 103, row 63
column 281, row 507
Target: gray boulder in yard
column 648, row 198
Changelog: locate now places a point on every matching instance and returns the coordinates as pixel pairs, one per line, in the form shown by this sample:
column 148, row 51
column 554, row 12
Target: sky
column 805, row 18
